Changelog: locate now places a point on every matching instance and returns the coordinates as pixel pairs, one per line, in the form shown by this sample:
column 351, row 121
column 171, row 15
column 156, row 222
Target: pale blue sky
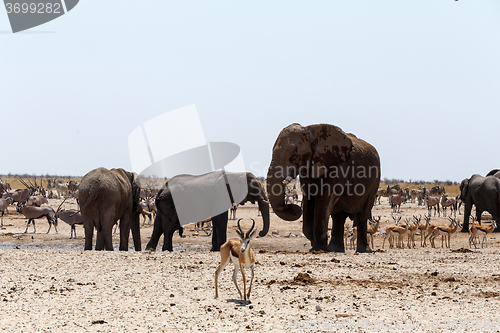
column 420, row 80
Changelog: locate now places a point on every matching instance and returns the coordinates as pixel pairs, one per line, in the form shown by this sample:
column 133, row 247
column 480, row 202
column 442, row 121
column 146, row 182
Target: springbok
column 478, row 230
column 232, row 211
column 444, row 231
column 412, row 230
column 372, row 228
column 395, row 230
column 241, row 254
column 422, row 227
column 354, row 236
column 346, row 234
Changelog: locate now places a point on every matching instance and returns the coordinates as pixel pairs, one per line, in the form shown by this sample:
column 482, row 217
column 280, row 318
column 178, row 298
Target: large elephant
column 484, row 193
column 107, row 196
column 339, row 176
column 167, row 218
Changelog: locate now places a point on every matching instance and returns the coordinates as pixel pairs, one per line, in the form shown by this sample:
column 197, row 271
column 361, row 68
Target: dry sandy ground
column 48, row 284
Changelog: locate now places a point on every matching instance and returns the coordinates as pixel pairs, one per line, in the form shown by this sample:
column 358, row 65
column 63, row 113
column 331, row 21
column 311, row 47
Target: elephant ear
column 464, row 187
column 136, row 189
column 331, row 146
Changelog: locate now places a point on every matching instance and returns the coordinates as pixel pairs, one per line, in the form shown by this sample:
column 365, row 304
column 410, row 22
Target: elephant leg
column 214, row 238
column 99, row 243
column 136, row 231
column 89, row 235
column 308, row 217
column 167, row 240
column 337, row 241
column 320, row 224
column 362, row 241
column 219, row 236
column 467, row 211
column 124, row 232
column 107, row 237
column 157, row 232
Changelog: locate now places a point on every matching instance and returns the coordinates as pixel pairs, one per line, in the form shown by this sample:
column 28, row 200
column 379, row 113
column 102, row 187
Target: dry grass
column 15, row 183
column 451, row 190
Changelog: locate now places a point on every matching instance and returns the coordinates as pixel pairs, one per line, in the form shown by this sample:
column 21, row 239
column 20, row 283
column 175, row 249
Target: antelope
column 412, row 229
column 444, row 231
column 232, row 211
column 241, row 254
column 474, row 222
column 143, row 210
column 432, row 202
column 422, row 227
column 346, row 234
column 396, row 200
column 381, row 193
column 70, row 216
column 449, row 202
column 430, row 228
column 32, row 213
column 372, row 229
column 20, row 195
column 36, row 200
column 395, row 230
column 478, row 230
column 352, row 240
column 4, row 203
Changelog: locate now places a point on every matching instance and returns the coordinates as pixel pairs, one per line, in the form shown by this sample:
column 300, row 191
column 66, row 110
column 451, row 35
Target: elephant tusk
column 266, row 202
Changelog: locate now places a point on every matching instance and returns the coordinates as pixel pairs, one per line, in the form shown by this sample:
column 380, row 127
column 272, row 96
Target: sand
column 48, row 284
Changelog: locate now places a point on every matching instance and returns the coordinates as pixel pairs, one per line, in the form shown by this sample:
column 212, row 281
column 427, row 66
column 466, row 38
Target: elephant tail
column 89, row 201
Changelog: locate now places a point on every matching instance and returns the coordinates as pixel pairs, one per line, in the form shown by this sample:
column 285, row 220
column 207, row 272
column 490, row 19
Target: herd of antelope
column 33, row 200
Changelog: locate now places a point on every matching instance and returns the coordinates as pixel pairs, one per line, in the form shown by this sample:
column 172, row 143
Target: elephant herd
column 339, row 176
column 482, row 192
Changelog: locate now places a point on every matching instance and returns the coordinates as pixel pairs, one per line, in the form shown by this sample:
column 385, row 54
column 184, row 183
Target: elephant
column 339, row 177
column 494, row 172
column 484, row 193
column 107, row 196
column 167, row 219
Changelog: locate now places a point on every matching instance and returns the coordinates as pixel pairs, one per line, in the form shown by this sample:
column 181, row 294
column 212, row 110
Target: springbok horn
column 253, row 225
column 239, row 227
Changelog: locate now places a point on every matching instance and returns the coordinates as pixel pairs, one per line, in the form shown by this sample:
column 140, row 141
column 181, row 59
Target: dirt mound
column 304, row 278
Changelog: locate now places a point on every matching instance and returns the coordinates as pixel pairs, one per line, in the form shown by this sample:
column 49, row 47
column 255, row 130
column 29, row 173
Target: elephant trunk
column 264, row 210
column 276, row 194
